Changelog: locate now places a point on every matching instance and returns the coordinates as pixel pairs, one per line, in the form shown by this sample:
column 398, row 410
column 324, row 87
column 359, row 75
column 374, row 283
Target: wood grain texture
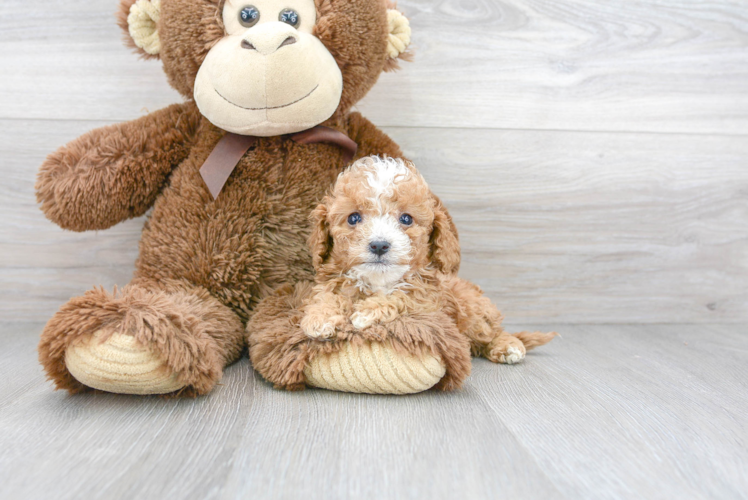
column 654, row 65
column 582, row 227
column 640, row 399
column 555, row 226
column 515, row 110
column 604, row 412
column 617, row 65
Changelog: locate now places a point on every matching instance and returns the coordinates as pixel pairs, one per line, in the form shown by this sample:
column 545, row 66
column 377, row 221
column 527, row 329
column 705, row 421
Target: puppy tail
column 534, row 339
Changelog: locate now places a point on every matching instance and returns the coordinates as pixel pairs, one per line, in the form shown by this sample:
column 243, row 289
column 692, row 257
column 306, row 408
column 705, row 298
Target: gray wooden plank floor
column 656, row 411
column 593, row 155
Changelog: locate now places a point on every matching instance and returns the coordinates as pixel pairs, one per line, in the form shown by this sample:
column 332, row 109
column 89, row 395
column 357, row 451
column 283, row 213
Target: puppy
column 383, row 246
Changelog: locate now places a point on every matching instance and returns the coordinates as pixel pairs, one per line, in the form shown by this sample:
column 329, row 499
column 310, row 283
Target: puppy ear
column 445, row 244
column 320, row 241
column 139, row 19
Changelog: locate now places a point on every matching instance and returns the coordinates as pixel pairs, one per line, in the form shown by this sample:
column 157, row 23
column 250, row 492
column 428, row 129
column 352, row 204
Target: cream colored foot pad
column 119, row 365
column 374, row 369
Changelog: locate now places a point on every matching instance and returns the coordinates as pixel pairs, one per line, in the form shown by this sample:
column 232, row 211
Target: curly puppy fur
column 207, row 262
column 364, row 293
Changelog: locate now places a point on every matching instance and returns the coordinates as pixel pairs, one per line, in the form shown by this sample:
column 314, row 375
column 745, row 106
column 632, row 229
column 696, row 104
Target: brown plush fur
column 186, row 323
column 280, row 350
column 204, row 260
column 428, row 305
column 115, row 173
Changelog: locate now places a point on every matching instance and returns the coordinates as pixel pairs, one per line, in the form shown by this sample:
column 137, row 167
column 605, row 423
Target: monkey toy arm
column 115, row 173
column 371, row 140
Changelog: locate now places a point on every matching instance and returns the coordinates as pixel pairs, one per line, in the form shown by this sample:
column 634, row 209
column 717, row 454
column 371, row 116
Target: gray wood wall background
column 593, row 153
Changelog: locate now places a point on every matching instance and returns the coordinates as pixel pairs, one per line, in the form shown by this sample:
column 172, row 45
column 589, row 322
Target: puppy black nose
column 380, row 247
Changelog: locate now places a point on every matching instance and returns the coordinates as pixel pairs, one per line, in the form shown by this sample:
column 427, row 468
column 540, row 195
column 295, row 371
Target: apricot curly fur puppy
column 384, row 247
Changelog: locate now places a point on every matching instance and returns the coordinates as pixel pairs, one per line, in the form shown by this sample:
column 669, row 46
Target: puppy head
column 382, row 223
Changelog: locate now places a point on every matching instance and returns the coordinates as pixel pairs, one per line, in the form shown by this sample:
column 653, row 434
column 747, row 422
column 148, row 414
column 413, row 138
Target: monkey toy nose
column 380, row 247
column 269, row 37
column 288, row 41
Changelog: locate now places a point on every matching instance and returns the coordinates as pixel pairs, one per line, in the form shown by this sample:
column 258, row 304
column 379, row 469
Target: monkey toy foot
column 411, row 354
column 141, row 340
column 114, row 362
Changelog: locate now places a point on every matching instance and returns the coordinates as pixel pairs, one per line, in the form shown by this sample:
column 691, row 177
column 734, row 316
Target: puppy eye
column 406, row 220
column 354, row 218
column 249, row 16
column 290, row 17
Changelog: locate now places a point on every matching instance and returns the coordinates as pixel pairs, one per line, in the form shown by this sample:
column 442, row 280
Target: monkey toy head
column 269, row 67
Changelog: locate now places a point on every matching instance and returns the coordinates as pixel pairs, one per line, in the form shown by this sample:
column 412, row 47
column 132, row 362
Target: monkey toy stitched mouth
column 270, row 107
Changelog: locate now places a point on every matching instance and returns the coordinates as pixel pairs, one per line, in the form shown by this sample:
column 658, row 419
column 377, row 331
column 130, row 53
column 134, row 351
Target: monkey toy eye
column 406, row 220
column 290, row 17
column 354, row 218
column 249, row 16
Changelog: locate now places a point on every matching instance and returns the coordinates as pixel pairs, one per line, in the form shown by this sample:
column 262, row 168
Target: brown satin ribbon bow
column 231, row 148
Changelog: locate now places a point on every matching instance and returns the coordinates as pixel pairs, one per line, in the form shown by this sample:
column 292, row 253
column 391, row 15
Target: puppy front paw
column 317, row 328
column 361, row 321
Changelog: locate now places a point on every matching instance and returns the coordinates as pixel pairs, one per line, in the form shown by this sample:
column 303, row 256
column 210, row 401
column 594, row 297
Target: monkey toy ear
column 140, row 19
column 398, row 38
column 320, row 242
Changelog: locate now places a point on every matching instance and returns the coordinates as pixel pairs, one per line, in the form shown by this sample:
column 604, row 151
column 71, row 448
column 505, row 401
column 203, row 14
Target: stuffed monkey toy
column 230, row 177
